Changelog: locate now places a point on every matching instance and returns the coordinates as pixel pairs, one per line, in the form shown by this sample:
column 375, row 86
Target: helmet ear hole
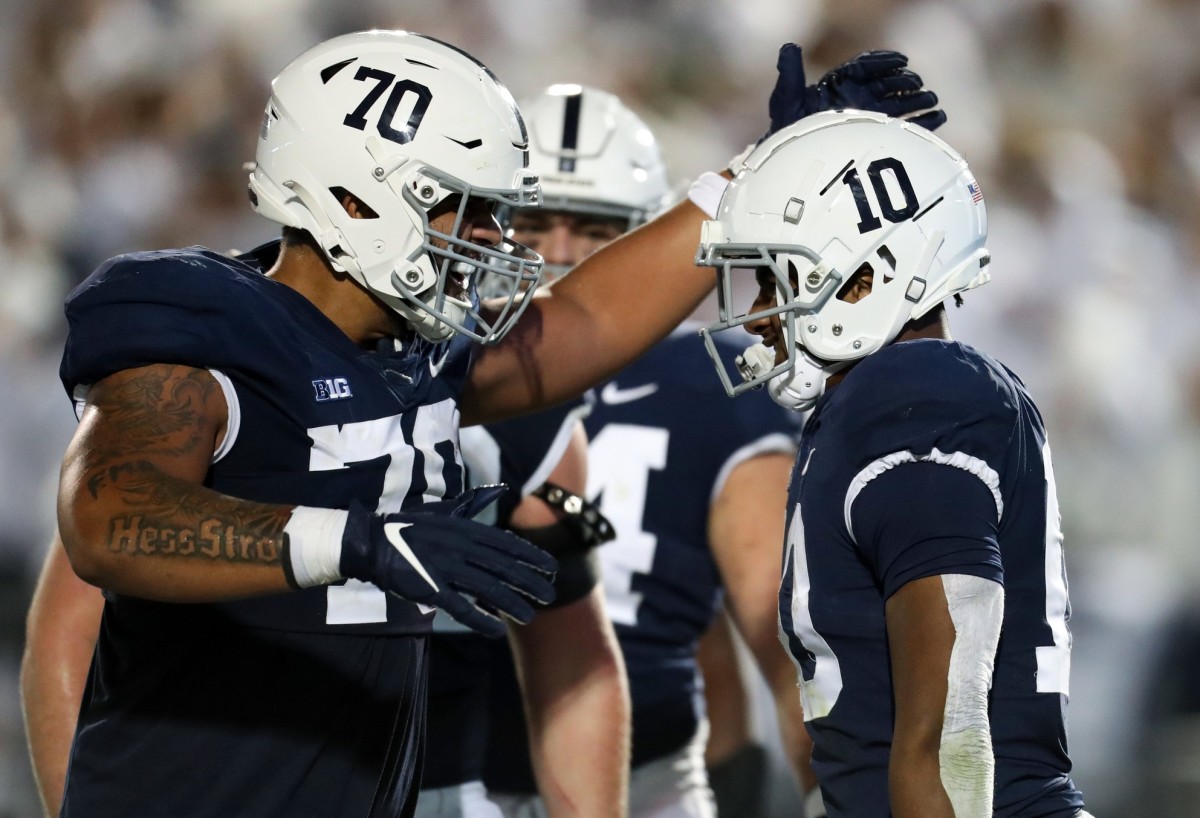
column 860, row 285
column 361, row 209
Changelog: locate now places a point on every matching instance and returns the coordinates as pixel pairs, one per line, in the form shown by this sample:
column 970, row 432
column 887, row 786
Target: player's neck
column 934, row 324
column 363, row 318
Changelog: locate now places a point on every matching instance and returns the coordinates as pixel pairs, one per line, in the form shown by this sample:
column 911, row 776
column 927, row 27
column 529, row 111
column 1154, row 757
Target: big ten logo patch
column 332, row 389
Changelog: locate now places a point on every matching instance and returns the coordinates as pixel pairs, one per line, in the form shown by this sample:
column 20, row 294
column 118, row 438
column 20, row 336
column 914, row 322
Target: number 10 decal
column 868, row 221
column 358, row 117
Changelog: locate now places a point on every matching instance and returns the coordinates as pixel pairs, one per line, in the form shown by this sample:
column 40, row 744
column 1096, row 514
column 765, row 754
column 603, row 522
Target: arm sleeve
column 924, row 518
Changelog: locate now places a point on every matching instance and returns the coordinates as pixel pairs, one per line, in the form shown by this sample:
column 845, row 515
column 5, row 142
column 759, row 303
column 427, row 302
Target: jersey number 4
column 619, row 462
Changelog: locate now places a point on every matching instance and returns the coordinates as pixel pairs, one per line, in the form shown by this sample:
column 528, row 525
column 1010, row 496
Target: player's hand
column 436, row 554
column 872, row 81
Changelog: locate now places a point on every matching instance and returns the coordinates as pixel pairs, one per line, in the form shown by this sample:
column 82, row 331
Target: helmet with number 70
column 835, row 195
column 406, row 126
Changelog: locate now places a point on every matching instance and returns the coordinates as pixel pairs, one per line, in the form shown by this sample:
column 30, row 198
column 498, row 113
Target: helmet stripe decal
column 328, row 72
column 936, row 202
column 836, row 176
column 570, row 134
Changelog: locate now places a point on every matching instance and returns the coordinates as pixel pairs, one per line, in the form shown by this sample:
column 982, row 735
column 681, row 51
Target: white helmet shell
column 821, row 199
column 593, row 155
column 401, row 122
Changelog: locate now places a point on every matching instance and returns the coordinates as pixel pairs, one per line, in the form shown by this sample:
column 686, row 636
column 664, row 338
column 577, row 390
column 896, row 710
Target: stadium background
column 124, row 125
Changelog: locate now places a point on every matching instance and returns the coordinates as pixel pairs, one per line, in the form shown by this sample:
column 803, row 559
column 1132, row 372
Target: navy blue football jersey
column 663, row 436
column 311, row 702
column 929, row 458
column 520, row 452
column 313, row 419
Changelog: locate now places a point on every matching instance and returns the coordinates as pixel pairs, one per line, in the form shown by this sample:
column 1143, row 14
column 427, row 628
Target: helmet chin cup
column 798, row 388
column 801, row 388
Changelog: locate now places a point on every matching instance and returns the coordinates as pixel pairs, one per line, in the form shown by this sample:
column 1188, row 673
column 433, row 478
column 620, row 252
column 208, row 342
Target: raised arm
column 628, row 295
column 60, row 636
column 590, row 324
column 746, row 529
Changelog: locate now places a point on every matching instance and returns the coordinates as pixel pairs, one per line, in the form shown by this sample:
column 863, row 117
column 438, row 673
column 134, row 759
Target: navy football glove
column 872, row 81
column 436, row 555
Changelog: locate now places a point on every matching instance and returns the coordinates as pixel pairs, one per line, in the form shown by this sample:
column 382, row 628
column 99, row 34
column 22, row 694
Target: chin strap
column 797, row 389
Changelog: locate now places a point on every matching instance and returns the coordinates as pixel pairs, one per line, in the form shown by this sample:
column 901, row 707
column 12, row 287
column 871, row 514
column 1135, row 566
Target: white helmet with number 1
column 404, row 124
column 818, row 201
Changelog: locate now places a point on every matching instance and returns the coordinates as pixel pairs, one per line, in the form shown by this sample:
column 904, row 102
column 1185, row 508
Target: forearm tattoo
column 167, row 413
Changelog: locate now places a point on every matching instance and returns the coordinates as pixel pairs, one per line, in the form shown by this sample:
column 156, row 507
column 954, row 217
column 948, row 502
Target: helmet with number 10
column 406, row 125
column 835, row 194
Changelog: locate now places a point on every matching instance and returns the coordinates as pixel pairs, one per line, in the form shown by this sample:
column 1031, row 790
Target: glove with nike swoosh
column 877, row 81
column 434, row 554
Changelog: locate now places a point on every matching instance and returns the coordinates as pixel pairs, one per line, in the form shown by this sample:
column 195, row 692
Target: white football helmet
column 402, row 122
column 594, row 157
column 816, row 202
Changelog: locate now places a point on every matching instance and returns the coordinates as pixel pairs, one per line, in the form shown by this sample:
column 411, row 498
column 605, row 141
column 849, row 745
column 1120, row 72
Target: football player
column 694, row 485
column 573, row 681
column 266, row 442
column 924, row 596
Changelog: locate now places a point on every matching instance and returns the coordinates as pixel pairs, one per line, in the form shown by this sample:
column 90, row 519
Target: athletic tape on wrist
column 706, row 192
column 314, row 551
column 966, row 759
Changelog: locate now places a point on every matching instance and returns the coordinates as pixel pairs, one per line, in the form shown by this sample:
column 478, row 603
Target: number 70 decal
column 385, row 125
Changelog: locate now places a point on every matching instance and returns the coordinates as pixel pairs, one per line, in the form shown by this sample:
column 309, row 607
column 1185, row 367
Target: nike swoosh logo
column 471, row 145
column 611, row 393
column 436, row 369
column 392, row 532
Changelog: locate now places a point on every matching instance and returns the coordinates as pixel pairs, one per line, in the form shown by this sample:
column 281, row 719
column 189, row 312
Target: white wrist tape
column 315, row 544
column 967, row 763
column 706, row 192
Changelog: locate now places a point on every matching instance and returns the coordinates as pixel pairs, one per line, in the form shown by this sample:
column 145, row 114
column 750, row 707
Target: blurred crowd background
column 125, row 124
